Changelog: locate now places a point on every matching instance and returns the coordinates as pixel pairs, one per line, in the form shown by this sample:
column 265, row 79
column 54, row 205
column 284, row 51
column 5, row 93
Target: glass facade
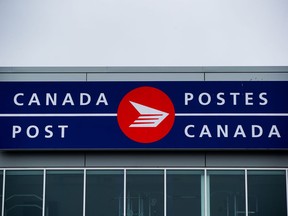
column 104, row 192
column 23, row 193
column 143, row 192
column 185, row 192
column 226, row 192
column 267, row 193
column 64, row 193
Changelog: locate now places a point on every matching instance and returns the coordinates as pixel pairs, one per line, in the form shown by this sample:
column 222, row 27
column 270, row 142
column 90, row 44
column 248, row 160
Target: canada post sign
column 143, row 115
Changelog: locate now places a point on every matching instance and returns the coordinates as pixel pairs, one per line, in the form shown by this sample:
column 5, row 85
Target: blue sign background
column 95, row 132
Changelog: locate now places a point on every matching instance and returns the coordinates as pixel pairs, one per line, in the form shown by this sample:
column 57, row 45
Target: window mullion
column 44, row 192
column 3, row 192
column 246, row 193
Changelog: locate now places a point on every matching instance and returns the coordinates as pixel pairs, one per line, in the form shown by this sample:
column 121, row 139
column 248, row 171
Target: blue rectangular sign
column 143, row 115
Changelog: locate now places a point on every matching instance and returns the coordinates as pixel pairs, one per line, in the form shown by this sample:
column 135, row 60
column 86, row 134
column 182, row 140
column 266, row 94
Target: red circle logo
column 146, row 114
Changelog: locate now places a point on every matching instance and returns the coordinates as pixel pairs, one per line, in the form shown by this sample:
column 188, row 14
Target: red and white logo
column 146, row 114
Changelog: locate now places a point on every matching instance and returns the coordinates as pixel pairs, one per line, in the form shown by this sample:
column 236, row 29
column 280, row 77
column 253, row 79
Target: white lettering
column 186, row 131
column 234, row 95
column 260, row 131
column 239, row 131
column 188, row 97
column 102, row 99
column 208, row 98
column 62, row 128
column 249, row 98
column 15, row 130
column 222, row 131
column 16, row 102
column 274, row 132
column 50, row 99
column 221, row 100
column 49, row 131
column 68, row 99
column 34, row 99
column 36, row 131
column 82, row 97
column 263, row 99
column 205, row 131
column 33, row 131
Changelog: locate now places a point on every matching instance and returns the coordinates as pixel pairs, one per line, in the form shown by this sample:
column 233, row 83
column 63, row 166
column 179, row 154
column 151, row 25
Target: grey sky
column 143, row 32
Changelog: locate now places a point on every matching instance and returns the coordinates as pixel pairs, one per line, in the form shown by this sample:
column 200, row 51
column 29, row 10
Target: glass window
column 104, row 193
column 185, row 190
column 23, row 193
column 227, row 193
column 64, row 193
column 145, row 193
column 267, row 193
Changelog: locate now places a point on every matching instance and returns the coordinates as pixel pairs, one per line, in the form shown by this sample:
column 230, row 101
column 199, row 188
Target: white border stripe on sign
column 115, row 114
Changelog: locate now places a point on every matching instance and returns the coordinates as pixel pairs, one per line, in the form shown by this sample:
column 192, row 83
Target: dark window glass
column 23, row 193
column 185, row 191
column 267, row 193
column 145, row 193
column 227, row 193
column 104, row 193
column 64, row 193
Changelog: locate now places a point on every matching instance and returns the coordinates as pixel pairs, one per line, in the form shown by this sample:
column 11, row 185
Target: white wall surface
column 144, row 33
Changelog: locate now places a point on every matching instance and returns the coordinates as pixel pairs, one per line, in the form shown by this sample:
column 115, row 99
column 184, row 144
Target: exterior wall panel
column 247, row 159
column 146, row 159
column 42, row 77
column 246, row 76
column 145, row 77
column 42, row 159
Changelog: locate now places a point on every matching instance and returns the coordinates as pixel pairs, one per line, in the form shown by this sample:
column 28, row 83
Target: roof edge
column 148, row 69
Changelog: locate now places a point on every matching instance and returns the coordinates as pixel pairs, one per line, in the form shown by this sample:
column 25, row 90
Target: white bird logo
column 149, row 117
